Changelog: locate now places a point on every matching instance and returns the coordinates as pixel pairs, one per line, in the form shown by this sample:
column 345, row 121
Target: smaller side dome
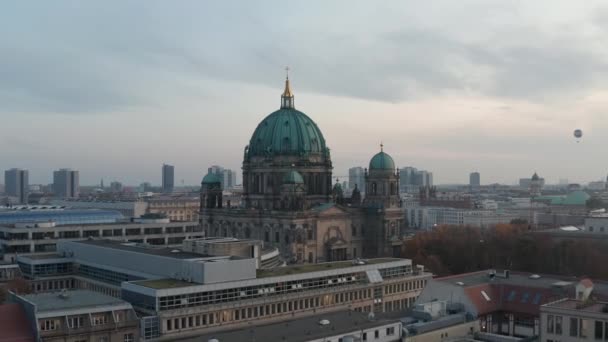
column 382, row 161
column 535, row 177
column 211, row 178
column 293, row 177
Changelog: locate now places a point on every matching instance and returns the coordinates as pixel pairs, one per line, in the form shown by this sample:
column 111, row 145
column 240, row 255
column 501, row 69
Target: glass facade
column 60, row 217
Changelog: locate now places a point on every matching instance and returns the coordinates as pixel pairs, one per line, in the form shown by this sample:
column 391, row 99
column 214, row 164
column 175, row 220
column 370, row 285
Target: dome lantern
column 287, row 98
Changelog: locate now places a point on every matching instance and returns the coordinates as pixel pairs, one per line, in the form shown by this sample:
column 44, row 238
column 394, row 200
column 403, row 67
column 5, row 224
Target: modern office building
column 227, row 176
column 168, row 178
column 128, row 208
column 16, row 184
column 356, row 178
column 25, row 238
column 181, row 294
column 66, row 183
column 411, row 179
column 474, row 180
column 79, row 315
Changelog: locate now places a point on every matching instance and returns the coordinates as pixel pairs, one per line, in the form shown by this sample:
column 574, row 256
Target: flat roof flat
column 132, row 247
column 573, row 304
column 325, row 266
column 302, row 329
column 76, row 299
column 515, row 278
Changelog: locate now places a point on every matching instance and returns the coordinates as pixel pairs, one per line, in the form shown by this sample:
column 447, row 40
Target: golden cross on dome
column 381, row 147
column 287, row 72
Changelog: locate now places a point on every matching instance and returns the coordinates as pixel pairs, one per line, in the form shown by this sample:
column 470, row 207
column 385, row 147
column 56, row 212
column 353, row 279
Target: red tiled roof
column 478, row 299
column 14, row 326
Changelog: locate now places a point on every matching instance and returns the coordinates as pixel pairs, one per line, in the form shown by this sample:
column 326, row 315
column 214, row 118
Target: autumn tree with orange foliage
column 452, row 250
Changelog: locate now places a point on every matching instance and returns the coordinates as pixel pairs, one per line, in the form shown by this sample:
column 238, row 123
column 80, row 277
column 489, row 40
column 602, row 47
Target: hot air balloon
column 578, row 134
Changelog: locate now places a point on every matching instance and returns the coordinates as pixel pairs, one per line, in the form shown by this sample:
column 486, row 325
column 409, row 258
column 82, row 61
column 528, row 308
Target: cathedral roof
column 382, row 161
column 211, row 178
column 287, row 131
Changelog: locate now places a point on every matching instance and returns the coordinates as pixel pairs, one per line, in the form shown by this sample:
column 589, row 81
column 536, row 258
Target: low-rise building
column 573, row 320
column 182, row 294
column 176, row 208
column 79, row 316
column 25, row 238
column 344, row 326
column 505, row 303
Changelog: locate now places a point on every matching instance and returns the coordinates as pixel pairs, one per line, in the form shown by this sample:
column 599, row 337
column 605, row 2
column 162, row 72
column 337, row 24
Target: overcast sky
column 116, row 88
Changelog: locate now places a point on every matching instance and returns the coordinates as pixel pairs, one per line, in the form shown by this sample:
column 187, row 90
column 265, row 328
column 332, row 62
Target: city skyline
column 501, row 97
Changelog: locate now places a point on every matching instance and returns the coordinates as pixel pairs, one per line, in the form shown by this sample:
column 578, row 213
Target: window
column 550, row 324
column 100, row 320
column 266, row 236
column 364, row 336
column 376, row 333
column 129, row 338
column 169, row 327
column 49, row 324
column 75, row 322
column 525, row 297
column 276, row 237
column 573, row 327
column 390, row 331
column 558, row 325
column 599, row 330
column 102, row 339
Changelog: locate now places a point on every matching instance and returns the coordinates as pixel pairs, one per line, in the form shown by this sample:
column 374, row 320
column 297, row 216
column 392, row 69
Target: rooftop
column 515, row 278
column 52, row 301
column 302, row 329
column 326, row 266
column 573, row 304
column 132, row 247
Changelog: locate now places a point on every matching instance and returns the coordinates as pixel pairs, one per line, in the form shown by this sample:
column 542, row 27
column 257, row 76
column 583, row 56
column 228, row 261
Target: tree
column 595, row 203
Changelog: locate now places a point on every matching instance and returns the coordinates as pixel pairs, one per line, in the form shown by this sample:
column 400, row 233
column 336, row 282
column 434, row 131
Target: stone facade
column 288, row 199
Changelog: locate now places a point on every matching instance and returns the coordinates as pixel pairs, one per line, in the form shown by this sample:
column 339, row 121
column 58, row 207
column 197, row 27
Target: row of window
column 577, row 327
column 73, row 322
column 404, row 286
column 126, row 338
column 243, row 293
column 289, row 307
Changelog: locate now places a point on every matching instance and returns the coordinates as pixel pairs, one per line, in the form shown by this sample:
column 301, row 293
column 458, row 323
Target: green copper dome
column 287, row 132
column 382, row 161
column 211, row 178
column 293, row 177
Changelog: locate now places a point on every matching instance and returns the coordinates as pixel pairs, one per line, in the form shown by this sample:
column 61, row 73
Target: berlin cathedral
column 289, row 201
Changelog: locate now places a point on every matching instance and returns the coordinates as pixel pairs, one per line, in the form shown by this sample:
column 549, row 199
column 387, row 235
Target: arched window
column 392, row 188
column 374, row 188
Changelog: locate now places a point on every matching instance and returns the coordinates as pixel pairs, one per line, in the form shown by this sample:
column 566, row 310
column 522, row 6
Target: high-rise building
column 356, row 176
column 116, row 186
column 66, row 183
column 227, row 176
column 168, row 178
column 411, row 179
column 16, row 184
column 474, row 179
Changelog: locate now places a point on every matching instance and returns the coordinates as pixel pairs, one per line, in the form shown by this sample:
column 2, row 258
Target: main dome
column 286, row 131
